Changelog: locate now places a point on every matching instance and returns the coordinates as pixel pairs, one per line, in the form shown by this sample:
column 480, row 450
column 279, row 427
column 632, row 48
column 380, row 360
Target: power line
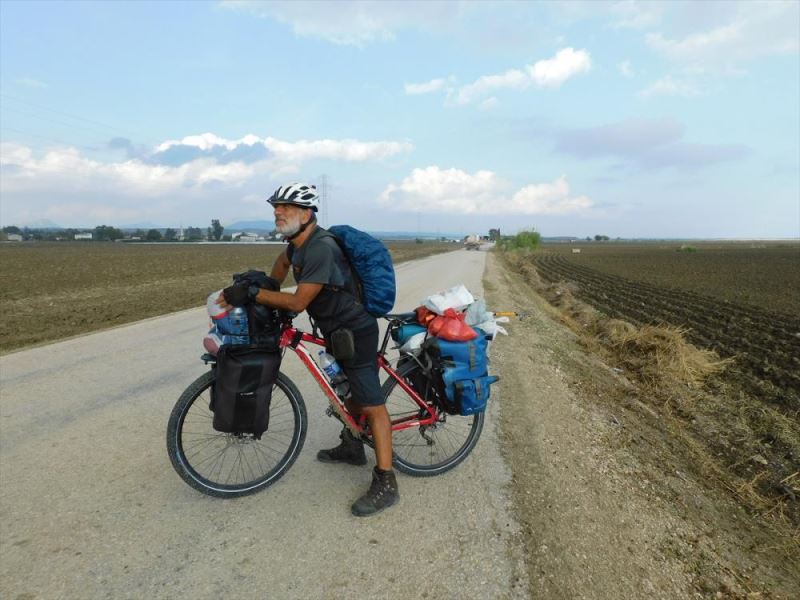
column 57, row 122
column 49, row 139
column 66, row 114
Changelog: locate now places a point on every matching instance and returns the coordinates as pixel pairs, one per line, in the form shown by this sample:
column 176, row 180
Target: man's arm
column 281, row 267
column 296, row 302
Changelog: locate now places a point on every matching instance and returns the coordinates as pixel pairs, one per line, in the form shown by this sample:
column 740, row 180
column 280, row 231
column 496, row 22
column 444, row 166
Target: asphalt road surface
column 90, row 506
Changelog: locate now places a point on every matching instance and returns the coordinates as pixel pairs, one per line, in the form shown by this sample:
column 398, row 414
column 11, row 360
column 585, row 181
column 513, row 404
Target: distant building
column 83, row 236
column 14, row 237
column 244, row 236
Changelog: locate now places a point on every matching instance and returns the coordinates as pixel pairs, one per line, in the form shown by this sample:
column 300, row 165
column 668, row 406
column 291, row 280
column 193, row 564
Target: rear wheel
column 228, row 465
column 431, row 449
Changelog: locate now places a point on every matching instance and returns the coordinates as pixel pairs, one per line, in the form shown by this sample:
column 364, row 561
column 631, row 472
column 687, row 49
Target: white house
column 14, row 237
column 83, row 236
column 244, row 236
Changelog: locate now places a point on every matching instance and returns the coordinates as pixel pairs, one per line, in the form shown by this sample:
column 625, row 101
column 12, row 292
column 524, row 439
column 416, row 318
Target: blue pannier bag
column 372, row 265
column 402, row 334
column 461, row 369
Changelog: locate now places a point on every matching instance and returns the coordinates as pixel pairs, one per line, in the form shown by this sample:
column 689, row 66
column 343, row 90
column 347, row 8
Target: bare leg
column 381, row 427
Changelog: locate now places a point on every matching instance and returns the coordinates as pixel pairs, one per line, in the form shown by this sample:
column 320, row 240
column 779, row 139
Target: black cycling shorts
column 362, row 369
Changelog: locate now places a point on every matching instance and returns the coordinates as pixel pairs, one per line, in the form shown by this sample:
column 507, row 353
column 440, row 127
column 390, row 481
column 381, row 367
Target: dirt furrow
column 762, row 352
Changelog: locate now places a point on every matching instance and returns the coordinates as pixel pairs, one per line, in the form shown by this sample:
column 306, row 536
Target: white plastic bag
column 215, row 311
column 457, row 298
column 414, row 343
column 477, row 313
column 491, row 326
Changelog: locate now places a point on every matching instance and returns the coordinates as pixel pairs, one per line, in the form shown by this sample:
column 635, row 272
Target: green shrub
column 524, row 240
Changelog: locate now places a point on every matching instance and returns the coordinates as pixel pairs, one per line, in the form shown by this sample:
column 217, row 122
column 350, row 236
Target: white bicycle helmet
column 299, row 194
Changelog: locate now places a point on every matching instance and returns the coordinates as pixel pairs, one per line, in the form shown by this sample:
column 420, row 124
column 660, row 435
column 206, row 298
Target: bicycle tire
column 443, row 438
column 288, row 426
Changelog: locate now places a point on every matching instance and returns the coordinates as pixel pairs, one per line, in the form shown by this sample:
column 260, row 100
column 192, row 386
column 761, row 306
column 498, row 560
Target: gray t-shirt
column 320, row 260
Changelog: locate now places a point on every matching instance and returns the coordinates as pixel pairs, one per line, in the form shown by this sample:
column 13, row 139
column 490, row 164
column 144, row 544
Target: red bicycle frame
column 293, row 338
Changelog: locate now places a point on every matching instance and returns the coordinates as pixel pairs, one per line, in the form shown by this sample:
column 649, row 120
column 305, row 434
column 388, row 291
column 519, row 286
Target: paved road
column 91, row 508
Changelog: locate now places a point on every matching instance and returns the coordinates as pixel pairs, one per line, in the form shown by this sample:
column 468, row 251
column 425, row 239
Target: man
column 325, row 288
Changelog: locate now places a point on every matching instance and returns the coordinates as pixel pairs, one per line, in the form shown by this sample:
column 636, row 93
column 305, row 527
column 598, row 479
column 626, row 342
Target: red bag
column 424, row 316
column 451, row 327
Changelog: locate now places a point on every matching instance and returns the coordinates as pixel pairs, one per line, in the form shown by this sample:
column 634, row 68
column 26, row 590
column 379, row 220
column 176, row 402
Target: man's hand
column 236, row 295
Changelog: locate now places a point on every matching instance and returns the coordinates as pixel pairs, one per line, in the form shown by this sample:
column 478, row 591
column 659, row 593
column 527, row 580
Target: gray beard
column 289, row 228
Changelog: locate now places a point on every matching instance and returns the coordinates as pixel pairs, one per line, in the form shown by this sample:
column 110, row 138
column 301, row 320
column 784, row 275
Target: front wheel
column 431, row 449
column 228, row 465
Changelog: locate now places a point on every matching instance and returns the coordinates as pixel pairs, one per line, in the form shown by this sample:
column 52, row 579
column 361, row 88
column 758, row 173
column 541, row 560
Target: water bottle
column 334, row 372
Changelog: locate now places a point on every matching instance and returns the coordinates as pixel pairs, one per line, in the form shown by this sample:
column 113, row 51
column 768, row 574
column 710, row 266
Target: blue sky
column 630, row 119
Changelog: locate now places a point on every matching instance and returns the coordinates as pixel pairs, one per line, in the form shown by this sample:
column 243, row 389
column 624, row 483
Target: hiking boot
column 350, row 451
column 380, row 495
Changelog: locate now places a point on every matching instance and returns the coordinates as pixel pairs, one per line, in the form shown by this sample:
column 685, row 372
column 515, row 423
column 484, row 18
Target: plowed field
column 53, row 290
column 764, row 344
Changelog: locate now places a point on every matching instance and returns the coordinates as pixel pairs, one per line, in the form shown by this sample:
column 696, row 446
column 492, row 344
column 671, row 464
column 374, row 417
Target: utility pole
column 324, row 199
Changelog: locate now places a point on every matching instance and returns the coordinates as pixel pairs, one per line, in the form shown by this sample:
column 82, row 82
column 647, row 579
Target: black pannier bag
column 424, row 380
column 242, row 390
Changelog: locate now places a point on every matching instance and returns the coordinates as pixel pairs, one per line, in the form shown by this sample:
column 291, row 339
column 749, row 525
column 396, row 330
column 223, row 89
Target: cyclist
column 326, row 290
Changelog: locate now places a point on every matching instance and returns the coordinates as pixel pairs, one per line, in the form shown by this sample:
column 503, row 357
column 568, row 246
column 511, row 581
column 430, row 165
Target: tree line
column 109, row 233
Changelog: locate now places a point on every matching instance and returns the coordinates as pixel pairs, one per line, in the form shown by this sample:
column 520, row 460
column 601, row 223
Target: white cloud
column 207, row 141
column 548, row 199
column 667, row 86
column 566, row 64
column 625, row 68
column 752, row 29
column 150, row 174
column 434, row 85
column 281, row 151
column 696, row 44
column 631, row 14
column 31, row 82
column 488, row 104
column 512, row 79
column 349, row 150
column 65, row 169
column 453, row 191
column 352, row 23
column 545, row 73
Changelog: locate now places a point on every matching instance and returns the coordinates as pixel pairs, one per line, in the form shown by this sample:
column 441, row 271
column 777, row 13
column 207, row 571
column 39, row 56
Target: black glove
column 258, row 279
column 271, row 284
column 237, row 295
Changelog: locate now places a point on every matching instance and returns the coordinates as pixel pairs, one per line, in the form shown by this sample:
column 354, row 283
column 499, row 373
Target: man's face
column 288, row 218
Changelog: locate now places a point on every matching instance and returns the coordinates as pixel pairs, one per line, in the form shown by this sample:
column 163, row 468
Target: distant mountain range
column 41, row 224
column 143, row 225
column 250, row 226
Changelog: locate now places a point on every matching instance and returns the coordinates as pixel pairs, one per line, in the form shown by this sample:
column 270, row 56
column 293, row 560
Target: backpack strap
column 325, row 235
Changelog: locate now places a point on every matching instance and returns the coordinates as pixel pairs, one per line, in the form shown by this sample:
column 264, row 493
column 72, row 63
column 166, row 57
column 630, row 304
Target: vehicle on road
column 426, row 439
column 473, row 242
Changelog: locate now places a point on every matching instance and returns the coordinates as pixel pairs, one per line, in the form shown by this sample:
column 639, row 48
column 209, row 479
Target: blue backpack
column 371, row 264
column 462, row 372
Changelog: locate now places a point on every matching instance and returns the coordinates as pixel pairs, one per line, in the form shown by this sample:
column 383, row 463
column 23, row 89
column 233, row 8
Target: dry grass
column 662, row 354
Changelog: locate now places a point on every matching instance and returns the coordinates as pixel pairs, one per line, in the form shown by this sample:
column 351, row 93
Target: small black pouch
column 342, row 345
